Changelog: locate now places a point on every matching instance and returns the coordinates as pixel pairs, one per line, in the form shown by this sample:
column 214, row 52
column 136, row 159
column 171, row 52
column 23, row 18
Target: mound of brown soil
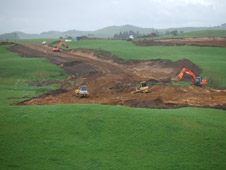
column 78, row 68
column 202, row 42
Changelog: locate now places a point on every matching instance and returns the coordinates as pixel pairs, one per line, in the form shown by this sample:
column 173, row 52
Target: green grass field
column 205, row 33
column 111, row 137
column 85, row 137
column 16, row 72
column 211, row 59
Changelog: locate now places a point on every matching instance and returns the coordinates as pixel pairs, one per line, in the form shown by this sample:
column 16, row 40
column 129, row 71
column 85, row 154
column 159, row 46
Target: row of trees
column 125, row 35
column 174, row 32
column 66, row 37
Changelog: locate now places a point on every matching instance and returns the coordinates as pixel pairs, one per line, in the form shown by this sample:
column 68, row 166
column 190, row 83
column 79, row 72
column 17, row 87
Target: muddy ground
column 112, row 83
column 6, row 43
column 202, row 42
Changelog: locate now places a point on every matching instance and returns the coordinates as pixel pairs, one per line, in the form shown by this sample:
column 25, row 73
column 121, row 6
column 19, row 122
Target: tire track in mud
column 102, row 65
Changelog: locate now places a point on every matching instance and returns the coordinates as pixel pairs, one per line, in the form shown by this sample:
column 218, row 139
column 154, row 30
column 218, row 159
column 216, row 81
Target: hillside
column 110, row 31
column 9, row 36
column 49, row 34
column 107, row 32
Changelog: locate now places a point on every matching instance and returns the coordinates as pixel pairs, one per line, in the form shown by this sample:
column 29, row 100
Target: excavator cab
column 198, row 81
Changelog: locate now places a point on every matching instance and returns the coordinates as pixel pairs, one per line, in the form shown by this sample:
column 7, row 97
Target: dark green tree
column 174, row 32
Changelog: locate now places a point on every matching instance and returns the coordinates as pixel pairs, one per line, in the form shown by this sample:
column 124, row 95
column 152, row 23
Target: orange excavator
column 197, row 81
column 56, row 49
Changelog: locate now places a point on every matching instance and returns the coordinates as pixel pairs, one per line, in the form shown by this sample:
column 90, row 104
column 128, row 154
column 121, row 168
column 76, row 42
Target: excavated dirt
column 6, row 43
column 112, row 82
column 202, row 42
column 71, row 65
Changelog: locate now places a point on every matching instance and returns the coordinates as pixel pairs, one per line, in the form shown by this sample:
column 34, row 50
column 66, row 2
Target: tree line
column 126, row 34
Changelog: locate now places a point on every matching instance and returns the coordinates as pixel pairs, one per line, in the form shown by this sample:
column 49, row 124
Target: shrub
column 214, row 82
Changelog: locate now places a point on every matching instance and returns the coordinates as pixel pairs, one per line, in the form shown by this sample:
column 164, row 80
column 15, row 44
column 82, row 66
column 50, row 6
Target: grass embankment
column 211, row 59
column 16, row 72
column 100, row 137
column 205, row 33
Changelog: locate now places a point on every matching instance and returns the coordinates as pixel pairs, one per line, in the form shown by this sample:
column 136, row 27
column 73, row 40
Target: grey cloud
column 37, row 16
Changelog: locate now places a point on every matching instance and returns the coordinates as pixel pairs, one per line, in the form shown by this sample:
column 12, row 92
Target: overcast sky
column 36, row 16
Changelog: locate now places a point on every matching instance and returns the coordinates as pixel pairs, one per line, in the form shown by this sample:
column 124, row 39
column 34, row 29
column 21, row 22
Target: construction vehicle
column 197, row 81
column 56, row 49
column 142, row 88
column 82, row 92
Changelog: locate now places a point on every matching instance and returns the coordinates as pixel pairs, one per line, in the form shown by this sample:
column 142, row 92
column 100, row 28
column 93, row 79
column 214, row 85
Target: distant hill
column 49, row 34
column 110, row 31
column 107, row 32
column 9, row 36
column 22, row 35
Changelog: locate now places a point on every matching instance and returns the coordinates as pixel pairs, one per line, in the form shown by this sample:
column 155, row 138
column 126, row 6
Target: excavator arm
column 57, row 48
column 64, row 44
column 186, row 71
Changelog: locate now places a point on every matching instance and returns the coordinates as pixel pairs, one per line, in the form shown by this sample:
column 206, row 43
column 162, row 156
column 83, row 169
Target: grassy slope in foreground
column 211, row 59
column 111, row 137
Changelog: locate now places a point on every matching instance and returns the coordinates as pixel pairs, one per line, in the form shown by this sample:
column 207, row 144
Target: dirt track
column 111, row 82
column 202, row 42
